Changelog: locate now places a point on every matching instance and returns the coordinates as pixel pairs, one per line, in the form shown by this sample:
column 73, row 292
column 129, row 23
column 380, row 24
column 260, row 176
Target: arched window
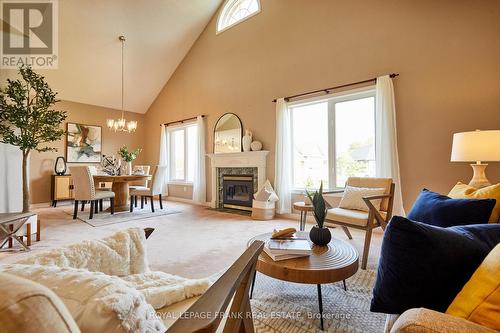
column 236, row 11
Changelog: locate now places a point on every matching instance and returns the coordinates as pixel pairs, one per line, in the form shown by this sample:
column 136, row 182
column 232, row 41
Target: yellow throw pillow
column 464, row 191
column 479, row 299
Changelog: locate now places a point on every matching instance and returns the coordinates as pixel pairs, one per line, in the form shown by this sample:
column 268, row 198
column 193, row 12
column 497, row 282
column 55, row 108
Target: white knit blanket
column 119, row 262
column 121, row 254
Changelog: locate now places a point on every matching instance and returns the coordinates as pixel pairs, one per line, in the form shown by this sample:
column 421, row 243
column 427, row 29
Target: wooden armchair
column 206, row 314
column 367, row 221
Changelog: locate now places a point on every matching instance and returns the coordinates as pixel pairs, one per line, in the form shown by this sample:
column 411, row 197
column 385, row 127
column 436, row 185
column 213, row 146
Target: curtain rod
column 182, row 121
column 327, row 90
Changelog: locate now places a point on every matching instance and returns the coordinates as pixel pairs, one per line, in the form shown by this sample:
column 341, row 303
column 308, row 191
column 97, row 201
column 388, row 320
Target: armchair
column 367, row 221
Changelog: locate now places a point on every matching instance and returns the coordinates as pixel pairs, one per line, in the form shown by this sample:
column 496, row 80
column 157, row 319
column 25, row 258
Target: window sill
column 180, row 183
column 303, row 191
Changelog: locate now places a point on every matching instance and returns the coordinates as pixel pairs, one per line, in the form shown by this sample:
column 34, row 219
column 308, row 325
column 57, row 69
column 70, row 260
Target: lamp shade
column 476, row 146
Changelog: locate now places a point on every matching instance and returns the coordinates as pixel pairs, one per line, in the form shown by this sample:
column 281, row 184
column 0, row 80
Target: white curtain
column 163, row 158
column 11, row 179
column 199, row 182
column 387, row 160
column 283, row 157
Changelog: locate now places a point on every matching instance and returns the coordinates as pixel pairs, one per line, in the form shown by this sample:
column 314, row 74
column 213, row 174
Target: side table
column 10, row 223
column 303, row 208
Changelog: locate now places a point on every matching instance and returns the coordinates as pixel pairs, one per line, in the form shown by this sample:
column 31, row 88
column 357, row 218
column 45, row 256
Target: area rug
column 105, row 218
column 286, row 307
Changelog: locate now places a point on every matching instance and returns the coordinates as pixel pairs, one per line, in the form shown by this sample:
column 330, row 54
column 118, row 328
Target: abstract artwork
column 83, row 143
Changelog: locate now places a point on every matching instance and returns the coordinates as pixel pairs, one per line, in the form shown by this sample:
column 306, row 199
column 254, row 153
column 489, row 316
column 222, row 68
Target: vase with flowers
column 319, row 234
column 128, row 156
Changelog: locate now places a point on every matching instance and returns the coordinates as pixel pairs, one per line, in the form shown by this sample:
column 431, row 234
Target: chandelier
column 121, row 124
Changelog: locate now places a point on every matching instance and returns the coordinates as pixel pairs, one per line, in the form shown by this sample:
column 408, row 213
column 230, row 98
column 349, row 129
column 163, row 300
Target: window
column 333, row 139
column 236, row 11
column 182, row 142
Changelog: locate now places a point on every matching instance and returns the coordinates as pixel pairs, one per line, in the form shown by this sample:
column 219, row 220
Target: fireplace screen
column 238, row 191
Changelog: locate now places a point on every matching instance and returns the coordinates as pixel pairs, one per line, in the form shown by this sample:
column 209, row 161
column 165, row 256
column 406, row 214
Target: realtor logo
column 29, row 33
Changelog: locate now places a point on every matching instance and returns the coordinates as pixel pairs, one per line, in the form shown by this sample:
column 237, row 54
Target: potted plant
column 319, row 235
column 129, row 156
column 27, row 119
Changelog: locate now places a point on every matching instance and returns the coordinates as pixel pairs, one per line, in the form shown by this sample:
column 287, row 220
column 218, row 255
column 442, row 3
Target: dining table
column 120, row 187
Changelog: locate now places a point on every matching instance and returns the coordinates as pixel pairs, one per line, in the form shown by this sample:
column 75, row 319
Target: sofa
column 422, row 320
column 439, row 269
column 106, row 286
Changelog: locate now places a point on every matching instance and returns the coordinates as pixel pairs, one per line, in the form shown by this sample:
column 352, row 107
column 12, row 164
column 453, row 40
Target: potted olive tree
column 319, row 234
column 28, row 120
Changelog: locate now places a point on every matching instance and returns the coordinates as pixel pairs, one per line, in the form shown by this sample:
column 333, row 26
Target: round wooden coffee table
column 328, row 264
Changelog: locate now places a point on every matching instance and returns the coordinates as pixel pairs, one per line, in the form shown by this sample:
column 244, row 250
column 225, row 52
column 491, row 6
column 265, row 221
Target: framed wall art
column 83, row 143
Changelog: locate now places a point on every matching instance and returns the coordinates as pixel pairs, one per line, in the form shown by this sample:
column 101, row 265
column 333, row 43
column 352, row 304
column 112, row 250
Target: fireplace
column 237, row 191
column 244, row 164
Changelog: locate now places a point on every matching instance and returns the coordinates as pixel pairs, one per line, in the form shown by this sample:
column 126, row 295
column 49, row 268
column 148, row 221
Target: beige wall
column 42, row 164
column 447, row 53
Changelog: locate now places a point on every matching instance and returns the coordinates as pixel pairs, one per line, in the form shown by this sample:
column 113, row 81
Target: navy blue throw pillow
column 426, row 266
column 437, row 209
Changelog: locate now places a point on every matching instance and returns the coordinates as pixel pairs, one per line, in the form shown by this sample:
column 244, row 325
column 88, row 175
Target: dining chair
column 140, row 184
column 155, row 189
column 358, row 219
column 84, row 190
column 99, row 186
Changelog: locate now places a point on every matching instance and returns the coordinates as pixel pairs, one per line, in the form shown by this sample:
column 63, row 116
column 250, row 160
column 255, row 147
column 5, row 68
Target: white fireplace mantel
column 251, row 159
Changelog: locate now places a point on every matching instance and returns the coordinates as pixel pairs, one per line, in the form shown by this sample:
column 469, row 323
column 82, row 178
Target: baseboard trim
column 41, row 205
column 189, row 201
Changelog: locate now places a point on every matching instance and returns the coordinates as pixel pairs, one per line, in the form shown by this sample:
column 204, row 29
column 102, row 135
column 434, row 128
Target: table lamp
column 478, row 146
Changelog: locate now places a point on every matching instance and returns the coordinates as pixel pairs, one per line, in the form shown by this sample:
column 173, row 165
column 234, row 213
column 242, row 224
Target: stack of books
column 287, row 248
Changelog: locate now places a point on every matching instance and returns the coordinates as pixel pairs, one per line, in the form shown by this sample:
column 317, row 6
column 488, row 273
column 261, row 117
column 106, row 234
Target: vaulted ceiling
column 159, row 33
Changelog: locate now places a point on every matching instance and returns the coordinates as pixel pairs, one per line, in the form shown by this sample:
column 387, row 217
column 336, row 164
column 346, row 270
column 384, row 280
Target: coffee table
column 334, row 262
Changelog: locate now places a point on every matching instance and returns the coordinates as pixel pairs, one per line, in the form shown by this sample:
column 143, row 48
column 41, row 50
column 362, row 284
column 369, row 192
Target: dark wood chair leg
column 161, row 203
column 142, row 202
column 38, row 228
column 146, row 200
column 112, row 205
column 131, row 203
column 366, row 248
column 152, row 204
column 135, row 201
column 28, row 234
column 75, row 211
column 100, row 205
column 91, row 215
column 11, row 229
column 346, row 231
column 96, row 206
column 83, row 205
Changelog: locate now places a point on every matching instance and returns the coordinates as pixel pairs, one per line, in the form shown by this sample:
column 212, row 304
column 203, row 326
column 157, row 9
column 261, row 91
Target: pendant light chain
column 121, row 124
column 122, row 38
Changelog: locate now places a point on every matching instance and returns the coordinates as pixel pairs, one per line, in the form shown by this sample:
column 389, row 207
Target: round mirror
column 227, row 134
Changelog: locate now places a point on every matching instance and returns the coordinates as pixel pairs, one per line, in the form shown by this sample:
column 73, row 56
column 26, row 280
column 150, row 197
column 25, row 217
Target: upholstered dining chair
column 155, row 189
column 368, row 220
column 140, row 184
column 84, row 190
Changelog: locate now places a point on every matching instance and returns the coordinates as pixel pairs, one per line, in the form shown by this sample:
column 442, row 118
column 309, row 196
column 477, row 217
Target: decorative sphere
column 256, row 145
